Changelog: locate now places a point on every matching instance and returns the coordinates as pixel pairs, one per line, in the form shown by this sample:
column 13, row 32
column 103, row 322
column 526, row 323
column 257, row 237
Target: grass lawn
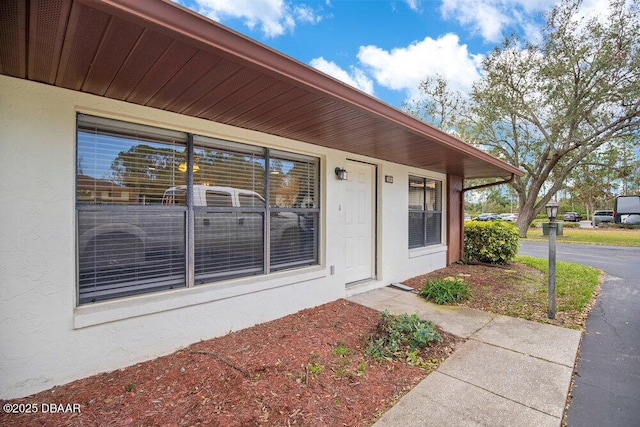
column 596, row 236
column 575, row 283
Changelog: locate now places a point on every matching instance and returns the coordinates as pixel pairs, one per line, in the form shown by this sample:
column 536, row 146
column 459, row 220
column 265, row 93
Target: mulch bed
column 284, row 372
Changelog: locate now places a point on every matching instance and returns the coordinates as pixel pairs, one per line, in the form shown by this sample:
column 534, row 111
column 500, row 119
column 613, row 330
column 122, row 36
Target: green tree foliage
column 547, row 107
column 149, row 169
column 493, row 242
column 229, row 169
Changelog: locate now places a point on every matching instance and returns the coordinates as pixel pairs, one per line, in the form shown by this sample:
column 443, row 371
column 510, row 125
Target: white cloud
column 272, row 17
column 356, row 77
column 413, row 4
column 404, row 68
column 493, row 19
column 306, row 14
column 595, row 8
column 483, row 16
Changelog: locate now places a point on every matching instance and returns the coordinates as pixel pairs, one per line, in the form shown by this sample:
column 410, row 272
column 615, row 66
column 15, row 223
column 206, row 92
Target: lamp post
column 552, row 213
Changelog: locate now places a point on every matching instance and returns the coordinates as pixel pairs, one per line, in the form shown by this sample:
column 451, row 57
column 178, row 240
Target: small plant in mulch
column 341, row 349
column 446, row 291
column 402, row 336
column 314, row 369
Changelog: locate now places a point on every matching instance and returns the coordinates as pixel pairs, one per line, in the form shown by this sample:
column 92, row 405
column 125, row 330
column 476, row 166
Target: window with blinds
column 129, row 242
column 229, row 236
column 293, row 213
column 159, row 209
column 425, row 212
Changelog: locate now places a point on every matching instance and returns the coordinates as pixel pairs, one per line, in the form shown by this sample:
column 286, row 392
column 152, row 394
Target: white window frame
column 424, row 212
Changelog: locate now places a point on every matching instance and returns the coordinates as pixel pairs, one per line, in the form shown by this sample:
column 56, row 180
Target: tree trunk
column 527, row 212
column 524, row 219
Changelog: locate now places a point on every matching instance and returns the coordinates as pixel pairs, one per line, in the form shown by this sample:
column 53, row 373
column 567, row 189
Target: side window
column 219, row 199
column 425, row 212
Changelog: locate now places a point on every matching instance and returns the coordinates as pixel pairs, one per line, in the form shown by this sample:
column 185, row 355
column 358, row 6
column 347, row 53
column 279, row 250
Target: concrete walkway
column 510, row 372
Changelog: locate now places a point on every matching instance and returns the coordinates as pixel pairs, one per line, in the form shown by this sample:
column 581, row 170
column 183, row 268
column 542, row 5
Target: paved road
column 607, row 378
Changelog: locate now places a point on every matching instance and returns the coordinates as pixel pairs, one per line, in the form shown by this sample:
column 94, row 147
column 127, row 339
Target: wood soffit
column 158, row 54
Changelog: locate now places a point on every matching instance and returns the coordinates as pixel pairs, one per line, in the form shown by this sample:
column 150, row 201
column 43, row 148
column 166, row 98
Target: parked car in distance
column 572, row 216
column 601, row 216
column 626, row 210
column 511, row 217
column 467, row 217
column 487, row 217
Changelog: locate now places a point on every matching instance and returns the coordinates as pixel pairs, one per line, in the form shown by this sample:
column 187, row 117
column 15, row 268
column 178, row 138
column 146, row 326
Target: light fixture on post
column 552, row 213
column 342, row 174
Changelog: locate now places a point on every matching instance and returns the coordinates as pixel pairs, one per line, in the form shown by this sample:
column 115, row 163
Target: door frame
column 374, row 221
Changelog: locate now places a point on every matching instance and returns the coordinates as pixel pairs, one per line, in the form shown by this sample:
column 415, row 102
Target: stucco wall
column 47, row 340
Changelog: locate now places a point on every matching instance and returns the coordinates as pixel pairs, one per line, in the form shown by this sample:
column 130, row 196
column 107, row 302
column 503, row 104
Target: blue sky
column 385, row 47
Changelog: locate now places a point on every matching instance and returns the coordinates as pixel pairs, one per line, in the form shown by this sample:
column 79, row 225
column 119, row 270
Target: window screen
column 425, row 212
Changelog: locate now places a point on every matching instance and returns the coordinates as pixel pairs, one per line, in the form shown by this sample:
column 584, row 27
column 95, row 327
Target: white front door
column 360, row 222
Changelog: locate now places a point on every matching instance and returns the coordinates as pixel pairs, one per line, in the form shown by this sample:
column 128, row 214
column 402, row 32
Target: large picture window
column 425, row 212
column 159, row 209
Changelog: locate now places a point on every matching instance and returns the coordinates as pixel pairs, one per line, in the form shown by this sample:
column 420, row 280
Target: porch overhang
column 159, row 54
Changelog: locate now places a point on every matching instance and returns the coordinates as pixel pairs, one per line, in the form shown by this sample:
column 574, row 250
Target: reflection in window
column 128, row 242
column 219, row 199
column 252, row 200
column 425, row 212
column 228, row 164
column 228, row 244
column 175, row 196
column 130, row 164
column 134, row 206
column 293, row 189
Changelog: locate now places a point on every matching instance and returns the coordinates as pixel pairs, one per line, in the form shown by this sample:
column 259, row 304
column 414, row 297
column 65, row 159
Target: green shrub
column 445, row 291
column 493, row 242
column 400, row 335
column 627, row 226
column 570, row 224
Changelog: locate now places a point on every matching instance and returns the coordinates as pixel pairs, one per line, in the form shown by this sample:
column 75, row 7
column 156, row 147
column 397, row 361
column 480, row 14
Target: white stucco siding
column 45, row 339
column 394, row 201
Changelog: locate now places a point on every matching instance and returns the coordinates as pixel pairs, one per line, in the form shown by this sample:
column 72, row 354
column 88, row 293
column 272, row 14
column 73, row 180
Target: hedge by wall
column 492, row 242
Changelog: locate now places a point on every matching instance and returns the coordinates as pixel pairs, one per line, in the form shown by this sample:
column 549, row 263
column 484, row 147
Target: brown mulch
column 492, row 286
column 306, row 369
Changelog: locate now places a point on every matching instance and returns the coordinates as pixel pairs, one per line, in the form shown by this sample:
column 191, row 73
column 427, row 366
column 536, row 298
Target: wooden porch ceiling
column 158, row 54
